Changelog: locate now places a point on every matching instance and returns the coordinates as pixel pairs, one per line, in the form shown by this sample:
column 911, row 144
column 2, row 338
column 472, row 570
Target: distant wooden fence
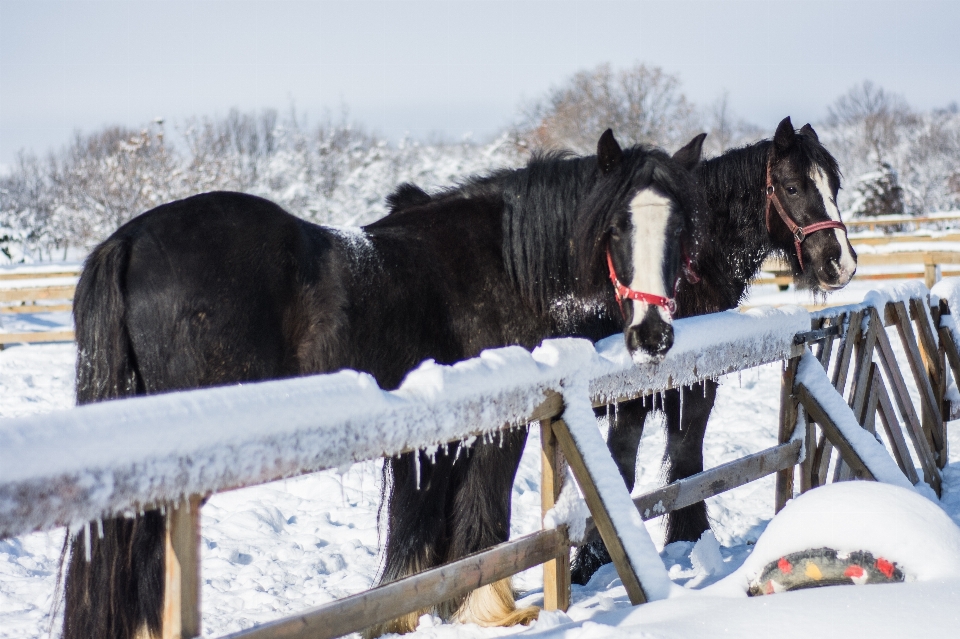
column 932, row 261
column 902, row 220
column 857, row 330
column 23, row 291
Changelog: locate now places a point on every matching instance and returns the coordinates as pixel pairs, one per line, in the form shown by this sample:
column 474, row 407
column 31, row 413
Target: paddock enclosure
column 846, row 412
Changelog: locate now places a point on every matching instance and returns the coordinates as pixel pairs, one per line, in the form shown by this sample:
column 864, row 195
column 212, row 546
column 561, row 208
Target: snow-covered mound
column 885, row 520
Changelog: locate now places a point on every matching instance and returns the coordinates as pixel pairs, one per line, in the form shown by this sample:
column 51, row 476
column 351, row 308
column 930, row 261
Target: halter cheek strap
column 627, row 293
column 799, row 233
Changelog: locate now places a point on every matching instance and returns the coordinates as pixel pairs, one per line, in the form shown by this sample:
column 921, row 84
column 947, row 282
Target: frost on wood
column 704, row 347
column 102, row 459
column 811, row 374
column 639, row 548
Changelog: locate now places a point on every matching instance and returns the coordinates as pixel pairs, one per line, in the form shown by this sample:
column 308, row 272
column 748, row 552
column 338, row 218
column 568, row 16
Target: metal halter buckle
column 799, row 235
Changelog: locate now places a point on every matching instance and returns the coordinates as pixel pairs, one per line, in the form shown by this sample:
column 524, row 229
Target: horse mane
column 405, row 196
column 556, row 214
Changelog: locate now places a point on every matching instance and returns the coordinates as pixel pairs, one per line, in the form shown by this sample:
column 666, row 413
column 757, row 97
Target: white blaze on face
column 650, row 213
column 848, row 265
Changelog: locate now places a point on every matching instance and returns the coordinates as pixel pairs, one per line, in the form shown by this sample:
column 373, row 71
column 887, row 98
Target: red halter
column 627, row 293
column 800, row 233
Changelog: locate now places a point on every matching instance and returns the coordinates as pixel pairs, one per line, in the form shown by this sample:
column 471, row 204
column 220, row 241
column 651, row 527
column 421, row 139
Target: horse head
column 802, row 215
column 649, row 206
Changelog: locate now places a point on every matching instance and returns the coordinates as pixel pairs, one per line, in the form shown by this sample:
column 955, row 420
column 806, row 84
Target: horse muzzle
column 835, row 273
column 653, row 334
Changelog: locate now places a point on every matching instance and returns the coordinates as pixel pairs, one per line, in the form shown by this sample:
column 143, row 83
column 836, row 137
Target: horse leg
column 686, row 427
column 118, row 593
column 417, row 539
column 479, row 517
column 623, row 440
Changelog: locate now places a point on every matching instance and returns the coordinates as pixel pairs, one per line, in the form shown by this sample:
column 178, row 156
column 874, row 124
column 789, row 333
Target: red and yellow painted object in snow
column 824, row 567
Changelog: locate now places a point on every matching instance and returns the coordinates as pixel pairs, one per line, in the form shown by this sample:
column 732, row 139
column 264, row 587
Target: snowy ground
column 275, row 549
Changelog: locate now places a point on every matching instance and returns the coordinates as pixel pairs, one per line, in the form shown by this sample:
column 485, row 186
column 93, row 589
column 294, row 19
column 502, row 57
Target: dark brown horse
column 223, row 288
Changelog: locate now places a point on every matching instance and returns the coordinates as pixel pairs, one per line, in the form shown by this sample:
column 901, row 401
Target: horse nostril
column 654, row 338
column 832, row 268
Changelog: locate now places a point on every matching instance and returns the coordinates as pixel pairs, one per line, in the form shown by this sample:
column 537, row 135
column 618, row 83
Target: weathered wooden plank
column 946, row 408
column 691, row 490
column 927, row 340
column 33, row 293
column 36, row 337
column 181, row 593
column 556, row 572
column 845, row 354
column 825, row 350
column 821, row 457
column 832, row 432
column 909, row 257
column 788, row 421
column 930, row 353
column 36, row 308
column 928, row 401
column 709, row 483
column 381, row 604
column 807, row 465
column 864, row 361
column 601, row 516
column 4, row 277
column 948, row 344
column 861, row 379
column 891, row 426
column 891, row 369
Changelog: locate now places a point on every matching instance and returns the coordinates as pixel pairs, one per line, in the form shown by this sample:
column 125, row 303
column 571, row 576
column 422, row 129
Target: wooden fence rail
column 931, row 260
column 60, row 497
column 902, row 220
column 22, row 291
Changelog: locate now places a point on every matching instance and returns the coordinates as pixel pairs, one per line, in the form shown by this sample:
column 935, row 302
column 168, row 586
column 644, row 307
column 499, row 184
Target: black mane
column 556, row 215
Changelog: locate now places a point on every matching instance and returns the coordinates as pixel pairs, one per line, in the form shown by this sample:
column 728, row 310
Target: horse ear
column 609, row 152
column 808, row 131
column 689, row 156
column 785, row 136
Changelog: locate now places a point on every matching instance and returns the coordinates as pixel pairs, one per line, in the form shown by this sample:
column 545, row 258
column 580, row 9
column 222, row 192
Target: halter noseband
column 627, row 293
column 799, row 233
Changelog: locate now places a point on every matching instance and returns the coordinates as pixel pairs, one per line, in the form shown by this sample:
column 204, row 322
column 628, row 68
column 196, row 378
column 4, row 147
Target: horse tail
column 106, row 368
column 114, row 586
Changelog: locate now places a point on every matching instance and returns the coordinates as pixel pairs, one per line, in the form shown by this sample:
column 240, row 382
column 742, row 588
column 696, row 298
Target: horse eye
column 614, row 232
column 792, row 190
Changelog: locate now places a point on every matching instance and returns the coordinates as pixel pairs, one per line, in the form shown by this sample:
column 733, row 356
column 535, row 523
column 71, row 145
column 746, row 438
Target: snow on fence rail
column 100, row 460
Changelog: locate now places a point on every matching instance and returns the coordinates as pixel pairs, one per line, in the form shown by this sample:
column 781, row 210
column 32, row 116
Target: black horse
column 223, row 288
column 770, row 198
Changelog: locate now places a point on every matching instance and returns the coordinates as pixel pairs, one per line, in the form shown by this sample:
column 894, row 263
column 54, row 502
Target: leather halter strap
column 799, row 233
column 627, row 293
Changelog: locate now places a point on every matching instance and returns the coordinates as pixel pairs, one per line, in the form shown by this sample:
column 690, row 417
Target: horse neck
column 737, row 241
column 540, row 205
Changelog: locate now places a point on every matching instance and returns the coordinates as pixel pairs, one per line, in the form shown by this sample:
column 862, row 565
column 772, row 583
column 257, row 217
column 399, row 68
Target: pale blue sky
column 447, row 67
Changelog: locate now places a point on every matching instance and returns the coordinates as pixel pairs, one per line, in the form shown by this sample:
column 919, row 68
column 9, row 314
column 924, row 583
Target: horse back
column 209, row 290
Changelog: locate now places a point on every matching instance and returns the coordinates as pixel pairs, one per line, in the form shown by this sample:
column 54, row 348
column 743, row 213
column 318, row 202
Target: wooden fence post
column 788, row 420
column 601, row 517
column 181, row 594
column 556, row 572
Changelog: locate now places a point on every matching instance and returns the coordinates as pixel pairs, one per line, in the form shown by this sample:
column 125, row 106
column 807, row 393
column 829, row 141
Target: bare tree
column 640, row 104
column 725, row 130
column 875, row 119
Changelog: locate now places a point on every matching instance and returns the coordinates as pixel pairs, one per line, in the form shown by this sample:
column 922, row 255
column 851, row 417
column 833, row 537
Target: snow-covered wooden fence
column 170, row 451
